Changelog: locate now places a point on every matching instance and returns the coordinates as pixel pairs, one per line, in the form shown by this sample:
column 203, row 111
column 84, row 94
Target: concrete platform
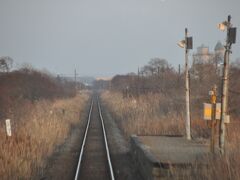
column 155, row 155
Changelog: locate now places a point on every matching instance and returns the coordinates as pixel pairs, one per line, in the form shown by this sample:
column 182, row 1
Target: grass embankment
column 38, row 128
column 154, row 114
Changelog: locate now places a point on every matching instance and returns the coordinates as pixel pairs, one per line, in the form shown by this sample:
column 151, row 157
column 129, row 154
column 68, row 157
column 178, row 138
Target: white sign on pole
column 8, row 127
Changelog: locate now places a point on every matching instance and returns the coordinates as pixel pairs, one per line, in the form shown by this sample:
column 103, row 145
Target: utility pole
column 231, row 38
column 179, row 69
column 138, row 83
column 188, row 118
column 75, row 80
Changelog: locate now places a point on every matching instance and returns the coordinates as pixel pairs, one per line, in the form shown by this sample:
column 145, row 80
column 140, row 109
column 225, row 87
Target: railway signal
column 231, row 39
column 187, row 43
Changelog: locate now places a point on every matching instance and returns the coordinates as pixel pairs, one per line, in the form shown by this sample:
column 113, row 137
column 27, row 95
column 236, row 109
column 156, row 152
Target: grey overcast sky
column 107, row 37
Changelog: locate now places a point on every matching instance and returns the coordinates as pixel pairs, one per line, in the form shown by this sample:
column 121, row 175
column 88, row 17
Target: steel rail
column 106, row 142
column 83, row 143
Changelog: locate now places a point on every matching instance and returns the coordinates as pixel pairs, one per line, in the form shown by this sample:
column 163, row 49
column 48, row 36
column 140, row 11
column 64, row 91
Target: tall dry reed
column 37, row 130
column 143, row 115
column 154, row 114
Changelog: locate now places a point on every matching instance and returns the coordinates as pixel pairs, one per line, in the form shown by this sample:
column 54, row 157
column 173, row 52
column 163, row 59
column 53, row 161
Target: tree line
column 159, row 76
column 28, row 85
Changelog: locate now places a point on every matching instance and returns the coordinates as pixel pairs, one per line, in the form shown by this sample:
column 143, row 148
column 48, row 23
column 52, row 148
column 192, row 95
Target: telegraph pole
column 187, row 90
column 179, row 69
column 138, row 82
column 75, row 80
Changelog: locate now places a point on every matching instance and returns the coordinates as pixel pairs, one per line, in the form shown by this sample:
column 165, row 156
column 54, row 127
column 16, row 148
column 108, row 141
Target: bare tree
column 6, row 63
column 159, row 63
column 156, row 66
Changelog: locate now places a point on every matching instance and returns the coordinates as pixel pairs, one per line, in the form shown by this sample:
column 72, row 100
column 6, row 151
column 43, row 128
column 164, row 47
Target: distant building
column 204, row 56
column 103, row 78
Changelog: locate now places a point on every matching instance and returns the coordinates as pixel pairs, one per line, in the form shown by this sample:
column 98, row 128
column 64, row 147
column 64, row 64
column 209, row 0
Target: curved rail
column 83, row 143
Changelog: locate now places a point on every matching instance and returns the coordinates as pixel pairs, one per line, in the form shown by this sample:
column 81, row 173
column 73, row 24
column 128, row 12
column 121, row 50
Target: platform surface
column 174, row 150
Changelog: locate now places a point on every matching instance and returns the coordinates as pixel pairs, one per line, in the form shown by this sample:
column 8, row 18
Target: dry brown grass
column 37, row 130
column 142, row 116
column 145, row 116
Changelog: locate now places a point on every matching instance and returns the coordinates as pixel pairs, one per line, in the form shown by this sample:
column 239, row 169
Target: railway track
column 94, row 158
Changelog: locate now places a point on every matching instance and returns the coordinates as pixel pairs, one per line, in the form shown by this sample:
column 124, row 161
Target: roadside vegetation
column 152, row 102
column 43, row 110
